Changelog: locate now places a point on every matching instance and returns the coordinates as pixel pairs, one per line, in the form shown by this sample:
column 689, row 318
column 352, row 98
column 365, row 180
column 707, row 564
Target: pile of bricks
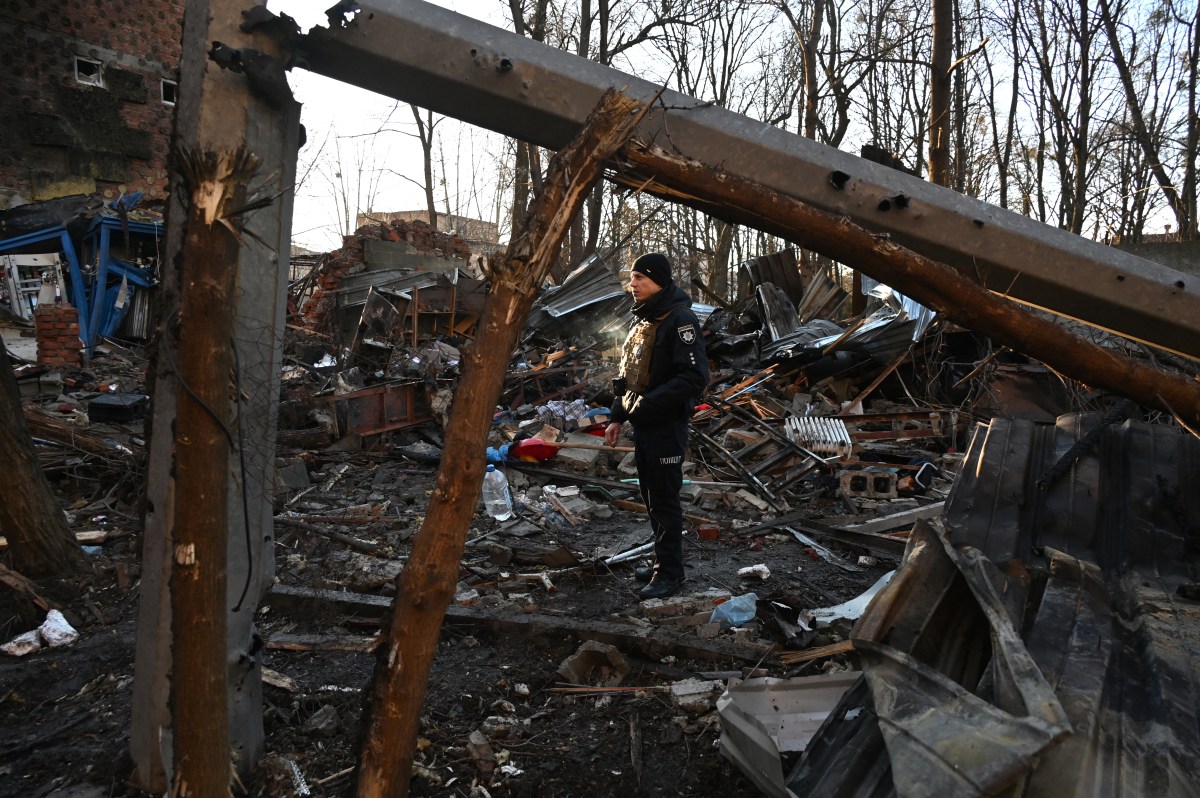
column 317, row 311
column 57, row 328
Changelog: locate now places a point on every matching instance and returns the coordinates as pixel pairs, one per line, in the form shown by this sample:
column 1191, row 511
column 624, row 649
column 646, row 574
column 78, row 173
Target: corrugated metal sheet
column 139, row 319
column 591, row 300
column 882, row 337
column 592, row 281
column 778, row 268
column 1091, row 571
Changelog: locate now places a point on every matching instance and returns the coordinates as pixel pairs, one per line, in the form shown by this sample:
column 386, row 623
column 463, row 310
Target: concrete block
column 696, row 696
column 868, row 484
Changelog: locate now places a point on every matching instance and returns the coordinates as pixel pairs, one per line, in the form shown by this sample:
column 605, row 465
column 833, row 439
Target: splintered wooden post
column 215, row 183
column 426, row 586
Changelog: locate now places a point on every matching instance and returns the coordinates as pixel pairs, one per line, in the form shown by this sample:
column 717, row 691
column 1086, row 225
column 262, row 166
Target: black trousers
column 658, row 452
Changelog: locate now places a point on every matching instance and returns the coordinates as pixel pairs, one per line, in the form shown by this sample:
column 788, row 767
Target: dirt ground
column 65, row 712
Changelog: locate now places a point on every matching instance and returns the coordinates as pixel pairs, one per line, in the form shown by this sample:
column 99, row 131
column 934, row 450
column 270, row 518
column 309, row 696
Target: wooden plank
column 626, row 504
column 895, row 520
column 92, row 537
column 352, row 643
column 636, row 639
column 819, row 652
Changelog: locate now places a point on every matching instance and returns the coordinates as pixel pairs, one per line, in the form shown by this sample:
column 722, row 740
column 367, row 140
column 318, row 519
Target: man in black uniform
column 664, row 370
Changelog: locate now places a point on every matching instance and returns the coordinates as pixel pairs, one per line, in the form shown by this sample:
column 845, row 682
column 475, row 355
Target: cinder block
column 868, row 484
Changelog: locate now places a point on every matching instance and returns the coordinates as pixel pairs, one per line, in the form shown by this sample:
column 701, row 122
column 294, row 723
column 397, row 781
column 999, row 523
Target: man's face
column 642, row 287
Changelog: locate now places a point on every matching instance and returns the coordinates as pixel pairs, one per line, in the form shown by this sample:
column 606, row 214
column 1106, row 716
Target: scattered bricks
column 708, row 631
column 688, row 621
column 868, row 484
column 696, row 696
column 685, row 604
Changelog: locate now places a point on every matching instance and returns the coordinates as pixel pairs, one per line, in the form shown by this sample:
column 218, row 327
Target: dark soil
column 65, row 712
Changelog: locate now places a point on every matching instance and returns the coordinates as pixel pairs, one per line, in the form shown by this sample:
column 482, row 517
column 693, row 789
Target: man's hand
column 612, row 433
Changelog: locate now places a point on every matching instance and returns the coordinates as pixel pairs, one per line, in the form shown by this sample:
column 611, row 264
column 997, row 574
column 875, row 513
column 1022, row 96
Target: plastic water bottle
column 496, row 498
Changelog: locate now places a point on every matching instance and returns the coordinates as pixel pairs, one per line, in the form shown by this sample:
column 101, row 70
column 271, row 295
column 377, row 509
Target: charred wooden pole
column 934, row 284
column 234, row 108
column 426, row 586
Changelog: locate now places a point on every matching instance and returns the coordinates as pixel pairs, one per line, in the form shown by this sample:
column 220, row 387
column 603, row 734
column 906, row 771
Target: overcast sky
column 331, row 108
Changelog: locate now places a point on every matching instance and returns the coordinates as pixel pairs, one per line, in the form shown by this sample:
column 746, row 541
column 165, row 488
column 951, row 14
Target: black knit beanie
column 655, row 266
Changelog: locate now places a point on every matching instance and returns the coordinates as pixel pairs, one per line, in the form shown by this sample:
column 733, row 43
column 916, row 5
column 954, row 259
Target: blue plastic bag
column 737, row 611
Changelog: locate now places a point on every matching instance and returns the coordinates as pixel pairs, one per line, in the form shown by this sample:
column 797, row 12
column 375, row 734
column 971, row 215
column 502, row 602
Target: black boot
column 661, row 586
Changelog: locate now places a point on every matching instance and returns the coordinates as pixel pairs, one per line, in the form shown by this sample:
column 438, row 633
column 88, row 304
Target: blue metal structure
column 90, row 293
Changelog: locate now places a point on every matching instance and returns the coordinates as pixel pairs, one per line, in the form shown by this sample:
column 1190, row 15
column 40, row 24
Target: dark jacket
column 678, row 365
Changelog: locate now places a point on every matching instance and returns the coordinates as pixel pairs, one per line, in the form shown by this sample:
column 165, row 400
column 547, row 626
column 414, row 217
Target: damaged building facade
column 89, row 98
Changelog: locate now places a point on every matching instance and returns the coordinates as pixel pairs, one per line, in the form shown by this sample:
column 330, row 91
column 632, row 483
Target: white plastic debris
column 22, row 644
column 850, row 610
column 759, row 571
column 56, row 631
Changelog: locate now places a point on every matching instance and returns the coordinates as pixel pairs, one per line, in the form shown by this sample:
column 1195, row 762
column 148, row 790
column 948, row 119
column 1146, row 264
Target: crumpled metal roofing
column 1043, row 646
column 885, row 334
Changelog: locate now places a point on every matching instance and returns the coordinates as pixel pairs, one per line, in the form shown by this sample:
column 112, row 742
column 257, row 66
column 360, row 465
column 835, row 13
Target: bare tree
column 425, row 126
column 1145, row 116
column 939, row 91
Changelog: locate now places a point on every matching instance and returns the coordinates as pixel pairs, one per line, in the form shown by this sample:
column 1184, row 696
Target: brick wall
column 63, row 137
column 57, row 329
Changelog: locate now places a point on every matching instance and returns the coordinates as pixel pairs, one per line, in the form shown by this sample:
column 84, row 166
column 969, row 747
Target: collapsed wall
column 318, row 312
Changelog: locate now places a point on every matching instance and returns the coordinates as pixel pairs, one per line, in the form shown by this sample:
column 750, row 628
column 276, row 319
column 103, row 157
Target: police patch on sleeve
column 687, row 333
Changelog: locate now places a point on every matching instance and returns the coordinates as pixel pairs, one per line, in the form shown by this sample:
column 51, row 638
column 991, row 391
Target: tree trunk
column 719, row 280
column 38, row 536
column 426, row 586
column 215, row 183
column 425, row 136
column 939, row 92
column 933, row 284
column 520, row 200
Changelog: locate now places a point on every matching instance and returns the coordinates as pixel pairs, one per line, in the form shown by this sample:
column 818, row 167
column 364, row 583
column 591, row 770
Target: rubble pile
column 326, row 279
column 833, row 457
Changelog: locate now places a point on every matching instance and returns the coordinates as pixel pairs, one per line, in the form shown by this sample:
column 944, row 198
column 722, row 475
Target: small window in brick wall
column 88, row 71
column 170, row 90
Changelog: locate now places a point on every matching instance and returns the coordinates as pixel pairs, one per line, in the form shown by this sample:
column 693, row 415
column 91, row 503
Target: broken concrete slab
column 595, row 663
column 696, row 696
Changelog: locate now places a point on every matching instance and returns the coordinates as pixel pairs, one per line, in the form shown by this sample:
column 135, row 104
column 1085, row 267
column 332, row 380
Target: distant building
column 89, row 98
column 483, row 237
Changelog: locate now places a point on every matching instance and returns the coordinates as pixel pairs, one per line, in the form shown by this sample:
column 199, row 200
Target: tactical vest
column 636, row 354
